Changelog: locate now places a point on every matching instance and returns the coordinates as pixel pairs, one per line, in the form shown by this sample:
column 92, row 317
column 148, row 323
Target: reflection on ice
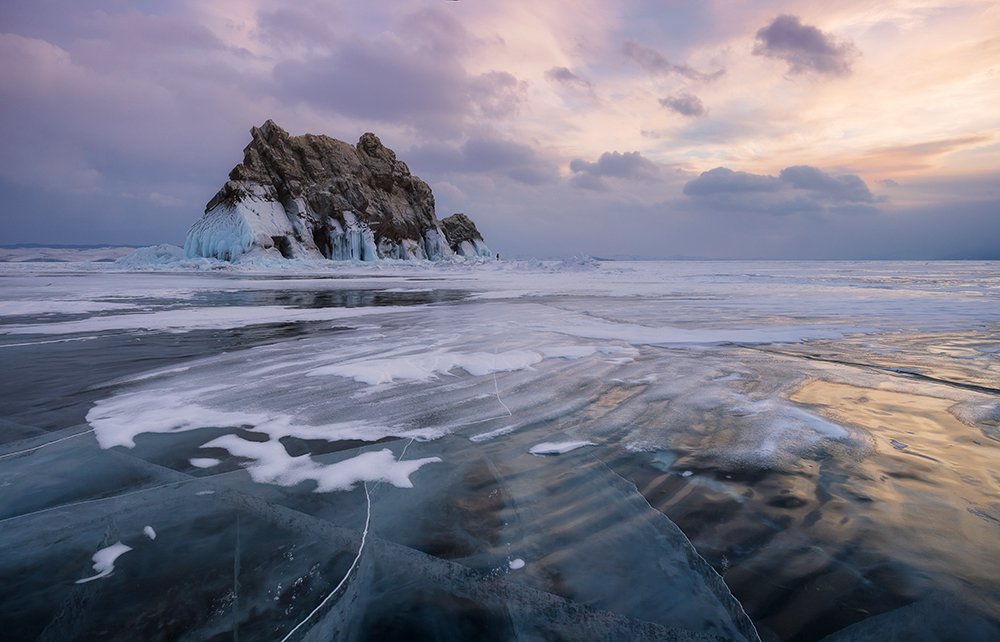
column 188, row 319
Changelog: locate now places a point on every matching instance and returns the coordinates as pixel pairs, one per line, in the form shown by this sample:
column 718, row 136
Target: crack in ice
column 48, row 443
column 357, row 558
column 364, row 537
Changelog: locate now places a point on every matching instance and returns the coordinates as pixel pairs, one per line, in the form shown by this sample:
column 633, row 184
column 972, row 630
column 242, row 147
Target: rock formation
column 463, row 237
column 314, row 196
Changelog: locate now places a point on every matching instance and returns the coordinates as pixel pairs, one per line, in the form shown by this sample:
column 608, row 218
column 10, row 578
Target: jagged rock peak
column 313, row 195
column 267, row 129
column 370, row 145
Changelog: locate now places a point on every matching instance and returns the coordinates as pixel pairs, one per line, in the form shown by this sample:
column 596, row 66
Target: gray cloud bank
column 628, row 165
column 684, row 104
column 796, row 190
column 805, row 48
column 564, row 76
column 485, row 155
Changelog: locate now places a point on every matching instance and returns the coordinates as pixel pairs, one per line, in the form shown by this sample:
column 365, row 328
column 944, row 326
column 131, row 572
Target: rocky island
column 313, row 196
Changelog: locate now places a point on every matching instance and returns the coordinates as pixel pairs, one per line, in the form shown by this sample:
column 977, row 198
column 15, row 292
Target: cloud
column 497, row 94
column 629, row 165
column 413, row 74
column 843, row 188
column 916, row 156
column 684, row 104
column 723, row 180
column 799, row 189
column 288, row 26
column 590, row 181
column 384, row 82
column 84, row 126
column 484, row 155
column 563, row 76
column 437, row 32
column 368, row 82
column 804, row 47
column 934, row 147
column 655, row 63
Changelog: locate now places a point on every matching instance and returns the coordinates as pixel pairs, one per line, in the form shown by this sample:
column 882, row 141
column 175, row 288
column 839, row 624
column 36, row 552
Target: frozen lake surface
column 569, row 450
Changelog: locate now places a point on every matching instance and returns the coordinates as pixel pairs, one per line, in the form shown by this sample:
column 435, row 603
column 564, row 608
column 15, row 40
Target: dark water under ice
column 839, row 481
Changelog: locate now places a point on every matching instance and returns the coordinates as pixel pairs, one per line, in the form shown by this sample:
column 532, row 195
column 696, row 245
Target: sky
column 648, row 128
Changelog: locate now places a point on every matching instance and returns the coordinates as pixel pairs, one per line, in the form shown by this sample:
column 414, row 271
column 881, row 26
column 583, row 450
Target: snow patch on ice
column 558, row 447
column 153, row 255
column 104, row 561
column 149, row 532
column 642, row 446
column 567, row 352
column 271, row 464
column 118, row 420
column 26, row 307
column 773, row 431
column 667, row 335
column 503, row 294
column 428, row 365
column 785, row 421
column 983, row 414
column 492, row 434
column 204, row 462
column 516, row 564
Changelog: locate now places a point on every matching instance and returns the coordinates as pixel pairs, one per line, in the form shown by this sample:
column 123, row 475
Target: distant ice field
column 784, row 449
